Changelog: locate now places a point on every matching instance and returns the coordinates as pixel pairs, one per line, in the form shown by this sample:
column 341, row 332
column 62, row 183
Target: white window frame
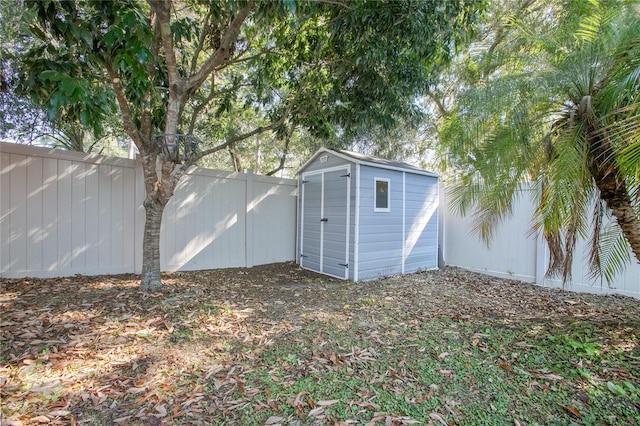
column 375, row 194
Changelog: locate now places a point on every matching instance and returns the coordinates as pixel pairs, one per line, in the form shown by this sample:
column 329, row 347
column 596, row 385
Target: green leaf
column 51, row 75
column 616, row 389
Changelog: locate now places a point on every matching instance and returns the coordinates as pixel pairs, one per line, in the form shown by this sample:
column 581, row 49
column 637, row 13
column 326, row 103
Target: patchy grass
column 279, row 345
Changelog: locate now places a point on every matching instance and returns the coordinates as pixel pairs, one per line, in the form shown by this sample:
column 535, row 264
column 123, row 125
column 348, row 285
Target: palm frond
column 561, row 110
column 611, row 255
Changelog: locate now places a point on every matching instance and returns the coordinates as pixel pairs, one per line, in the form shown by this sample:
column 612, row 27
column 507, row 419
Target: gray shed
column 362, row 217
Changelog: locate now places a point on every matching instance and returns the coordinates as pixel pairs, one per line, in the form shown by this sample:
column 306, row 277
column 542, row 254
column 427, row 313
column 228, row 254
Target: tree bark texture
column 612, row 186
column 151, row 279
column 614, row 193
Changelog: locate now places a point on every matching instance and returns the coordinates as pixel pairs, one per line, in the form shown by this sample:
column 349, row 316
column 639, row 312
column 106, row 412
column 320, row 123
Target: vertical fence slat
column 34, row 215
column 104, row 218
column 250, row 207
column 116, row 215
column 65, row 248
column 50, row 214
column 92, row 217
column 18, row 215
column 78, row 217
column 128, row 218
column 5, row 211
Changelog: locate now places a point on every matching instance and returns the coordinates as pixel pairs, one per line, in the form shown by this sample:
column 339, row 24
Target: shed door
column 325, row 222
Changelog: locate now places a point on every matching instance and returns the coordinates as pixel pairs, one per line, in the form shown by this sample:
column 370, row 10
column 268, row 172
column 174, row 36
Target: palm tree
column 562, row 111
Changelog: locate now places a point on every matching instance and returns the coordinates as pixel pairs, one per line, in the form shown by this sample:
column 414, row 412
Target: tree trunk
column 611, row 183
column 614, row 192
column 151, row 279
column 235, row 158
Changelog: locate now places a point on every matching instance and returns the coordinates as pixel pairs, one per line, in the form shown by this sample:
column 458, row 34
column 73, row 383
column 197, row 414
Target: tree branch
column 235, row 158
column 127, row 117
column 201, row 39
column 243, row 136
column 224, row 51
column 283, row 157
column 240, row 58
column 212, row 95
column 146, row 126
column 162, row 9
column 441, row 109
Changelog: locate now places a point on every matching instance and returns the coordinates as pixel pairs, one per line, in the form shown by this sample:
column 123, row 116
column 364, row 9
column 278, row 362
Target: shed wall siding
column 380, row 243
column 421, row 223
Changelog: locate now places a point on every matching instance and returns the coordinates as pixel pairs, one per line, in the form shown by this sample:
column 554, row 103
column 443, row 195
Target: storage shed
column 362, row 217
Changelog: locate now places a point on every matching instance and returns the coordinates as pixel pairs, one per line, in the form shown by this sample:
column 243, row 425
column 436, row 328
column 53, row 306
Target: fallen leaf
column 41, row 419
column 316, row 411
column 58, row 413
column 573, row 410
column 273, row 420
column 437, row 417
column 369, row 405
column 551, row 377
column 327, row 403
column 162, row 411
column 504, row 366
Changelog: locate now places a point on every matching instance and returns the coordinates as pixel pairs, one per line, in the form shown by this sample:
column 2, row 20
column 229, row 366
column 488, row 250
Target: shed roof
column 370, row 160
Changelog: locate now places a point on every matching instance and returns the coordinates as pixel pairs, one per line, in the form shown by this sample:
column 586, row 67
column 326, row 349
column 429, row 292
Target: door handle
column 324, row 219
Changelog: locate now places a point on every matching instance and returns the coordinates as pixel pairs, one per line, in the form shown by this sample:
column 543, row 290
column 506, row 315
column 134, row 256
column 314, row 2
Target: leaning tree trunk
column 613, row 191
column 612, row 186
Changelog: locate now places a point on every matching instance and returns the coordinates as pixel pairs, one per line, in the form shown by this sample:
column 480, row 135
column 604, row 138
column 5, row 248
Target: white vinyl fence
column 514, row 253
column 64, row 213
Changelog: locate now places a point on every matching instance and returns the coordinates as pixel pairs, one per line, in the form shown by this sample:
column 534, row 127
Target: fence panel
column 270, row 240
column 64, row 213
column 204, row 222
column 515, row 253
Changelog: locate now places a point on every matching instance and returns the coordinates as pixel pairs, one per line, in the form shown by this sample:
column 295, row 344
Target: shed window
column 382, row 195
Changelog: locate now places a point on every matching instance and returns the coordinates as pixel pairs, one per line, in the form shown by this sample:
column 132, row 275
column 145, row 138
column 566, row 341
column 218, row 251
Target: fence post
column 139, row 218
column 541, row 259
column 248, row 233
column 442, row 224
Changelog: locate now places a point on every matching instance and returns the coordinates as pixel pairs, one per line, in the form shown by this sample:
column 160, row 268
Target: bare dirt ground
column 95, row 350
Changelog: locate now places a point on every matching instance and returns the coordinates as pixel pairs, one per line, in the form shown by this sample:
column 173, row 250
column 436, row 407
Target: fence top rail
column 60, row 154
column 223, row 174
